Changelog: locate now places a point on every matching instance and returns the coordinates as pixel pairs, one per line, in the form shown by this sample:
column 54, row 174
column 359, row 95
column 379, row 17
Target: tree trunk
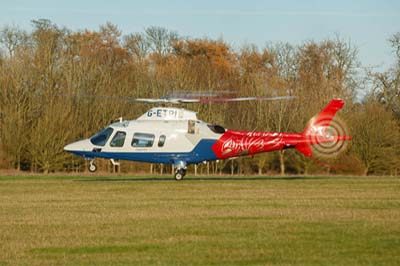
column 18, row 162
column 366, row 171
column 282, row 162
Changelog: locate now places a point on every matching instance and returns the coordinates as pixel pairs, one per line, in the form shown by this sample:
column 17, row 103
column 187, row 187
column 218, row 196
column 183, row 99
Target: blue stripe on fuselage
column 202, row 152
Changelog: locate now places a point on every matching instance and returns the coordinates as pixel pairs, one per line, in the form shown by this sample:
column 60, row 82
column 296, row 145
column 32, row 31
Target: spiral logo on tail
column 328, row 138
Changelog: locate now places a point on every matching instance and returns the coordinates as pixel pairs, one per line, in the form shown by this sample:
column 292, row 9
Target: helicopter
column 170, row 135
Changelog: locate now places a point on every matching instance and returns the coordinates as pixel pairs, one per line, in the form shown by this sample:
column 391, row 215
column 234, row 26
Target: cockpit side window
column 100, row 139
column 118, row 140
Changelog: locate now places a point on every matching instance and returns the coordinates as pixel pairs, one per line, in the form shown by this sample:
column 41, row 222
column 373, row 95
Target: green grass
column 199, row 221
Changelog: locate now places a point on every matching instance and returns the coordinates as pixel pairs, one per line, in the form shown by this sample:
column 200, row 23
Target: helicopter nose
column 69, row 147
column 82, row 145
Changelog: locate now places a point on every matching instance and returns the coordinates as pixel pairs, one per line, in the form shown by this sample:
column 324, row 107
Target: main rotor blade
column 208, row 100
column 241, row 99
column 180, row 100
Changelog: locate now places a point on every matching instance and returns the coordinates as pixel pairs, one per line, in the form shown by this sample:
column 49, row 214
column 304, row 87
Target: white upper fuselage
column 159, row 132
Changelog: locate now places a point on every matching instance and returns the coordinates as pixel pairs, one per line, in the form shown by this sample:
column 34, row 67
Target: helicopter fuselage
column 175, row 136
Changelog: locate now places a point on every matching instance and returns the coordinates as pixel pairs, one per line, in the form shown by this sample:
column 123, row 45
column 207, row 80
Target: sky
column 366, row 24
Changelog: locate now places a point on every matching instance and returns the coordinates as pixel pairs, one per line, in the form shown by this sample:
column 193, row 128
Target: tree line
column 58, row 85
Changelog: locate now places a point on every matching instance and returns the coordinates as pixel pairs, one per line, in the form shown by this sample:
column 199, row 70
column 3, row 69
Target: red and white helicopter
column 176, row 136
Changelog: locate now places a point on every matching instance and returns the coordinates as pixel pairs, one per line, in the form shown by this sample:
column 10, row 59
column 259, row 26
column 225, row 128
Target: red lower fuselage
column 239, row 143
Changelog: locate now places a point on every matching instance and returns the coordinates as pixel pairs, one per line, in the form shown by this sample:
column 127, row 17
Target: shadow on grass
column 213, row 178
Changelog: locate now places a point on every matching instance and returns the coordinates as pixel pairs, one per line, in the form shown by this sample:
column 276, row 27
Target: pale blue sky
column 365, row 23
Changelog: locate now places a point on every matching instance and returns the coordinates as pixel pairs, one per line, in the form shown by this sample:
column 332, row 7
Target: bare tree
column 394, row 41
column 160, row 39
column 137, row 45
column 12, row 37
column 386, row 85
column 376, row 138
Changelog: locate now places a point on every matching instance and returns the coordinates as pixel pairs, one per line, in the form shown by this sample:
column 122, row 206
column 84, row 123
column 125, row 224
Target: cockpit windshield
column 100, row 139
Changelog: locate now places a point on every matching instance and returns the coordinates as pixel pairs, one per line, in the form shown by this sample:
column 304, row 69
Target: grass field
column 200, row 221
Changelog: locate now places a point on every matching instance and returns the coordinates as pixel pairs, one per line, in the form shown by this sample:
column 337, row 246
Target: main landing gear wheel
column 179, row 174
column 92, row 167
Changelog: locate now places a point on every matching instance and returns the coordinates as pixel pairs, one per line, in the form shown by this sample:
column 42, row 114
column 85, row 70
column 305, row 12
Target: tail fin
column 323, row 119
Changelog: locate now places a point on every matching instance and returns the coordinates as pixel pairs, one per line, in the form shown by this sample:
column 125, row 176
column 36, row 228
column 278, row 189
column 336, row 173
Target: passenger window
column 142, row 140
column 118, row 140
column 161, row 141
column 100, row 139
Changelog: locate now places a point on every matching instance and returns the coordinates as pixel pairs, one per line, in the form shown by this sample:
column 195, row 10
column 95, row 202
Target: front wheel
column 92, row 167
